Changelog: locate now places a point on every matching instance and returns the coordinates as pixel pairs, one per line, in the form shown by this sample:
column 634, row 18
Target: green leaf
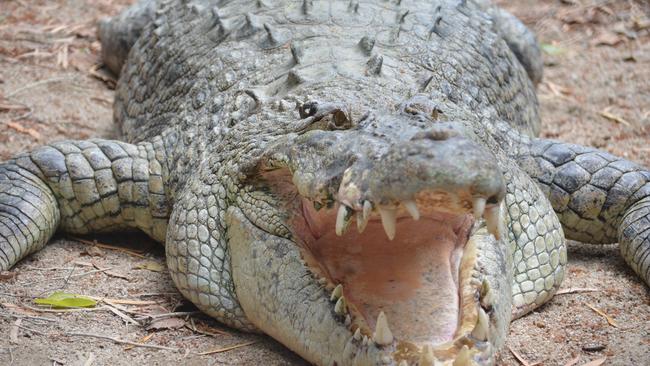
column 60, row 299
column 552, row 50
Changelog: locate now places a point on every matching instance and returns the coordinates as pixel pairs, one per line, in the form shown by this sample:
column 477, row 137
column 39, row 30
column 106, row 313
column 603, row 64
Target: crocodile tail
column 29, row 214
column 634, row 237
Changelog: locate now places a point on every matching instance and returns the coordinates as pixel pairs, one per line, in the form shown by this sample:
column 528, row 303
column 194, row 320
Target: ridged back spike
column 434, row 27
column 216, row 19
column 297, row 53
column 374, row 64
column 354, row 6
column 307, row 5
column 366, row 44
column 403, row 16
column 270, row 32
column 293, row 78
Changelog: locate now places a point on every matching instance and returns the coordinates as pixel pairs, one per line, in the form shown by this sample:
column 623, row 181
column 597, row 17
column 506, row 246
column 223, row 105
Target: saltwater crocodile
column 260, row 131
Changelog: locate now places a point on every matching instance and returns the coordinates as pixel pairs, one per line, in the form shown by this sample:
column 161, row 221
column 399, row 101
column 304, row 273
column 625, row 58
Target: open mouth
column 405, row 278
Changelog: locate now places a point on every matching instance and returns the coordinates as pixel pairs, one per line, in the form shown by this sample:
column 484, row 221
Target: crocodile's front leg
column 599, row 198
column 80, row 187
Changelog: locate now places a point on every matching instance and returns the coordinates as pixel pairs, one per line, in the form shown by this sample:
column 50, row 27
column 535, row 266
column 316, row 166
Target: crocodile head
column 377, row 241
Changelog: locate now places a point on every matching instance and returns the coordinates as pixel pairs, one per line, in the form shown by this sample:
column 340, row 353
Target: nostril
column 437, row 134
column 308, row 109
column 422, row 106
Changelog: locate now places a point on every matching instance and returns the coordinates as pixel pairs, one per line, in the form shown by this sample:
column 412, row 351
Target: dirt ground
column 596, row 91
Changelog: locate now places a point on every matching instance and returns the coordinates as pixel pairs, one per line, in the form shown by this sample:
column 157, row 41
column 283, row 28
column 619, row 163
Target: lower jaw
column 429, row 314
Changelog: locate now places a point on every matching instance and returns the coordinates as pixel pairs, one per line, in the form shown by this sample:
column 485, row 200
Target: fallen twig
column 149, row 318
column 226, row 349
column 121, row 341
column 192, row 326
column 108, row 246
column 125, row 301
column 142, row 340
column 614, row 118
column 73, row 310
column 33, row 330
column 71, row 276
column 117, row 312
column 574, row 290
column 28, row 317
column 35, row 84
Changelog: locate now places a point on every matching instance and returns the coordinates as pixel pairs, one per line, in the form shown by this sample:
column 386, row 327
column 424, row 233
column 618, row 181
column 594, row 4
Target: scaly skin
column 258, row 131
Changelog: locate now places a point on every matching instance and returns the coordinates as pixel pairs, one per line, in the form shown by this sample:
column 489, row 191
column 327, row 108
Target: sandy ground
column 596, row 91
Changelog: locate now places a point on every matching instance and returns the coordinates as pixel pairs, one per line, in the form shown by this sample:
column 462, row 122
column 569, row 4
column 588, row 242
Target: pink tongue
column 412, row 278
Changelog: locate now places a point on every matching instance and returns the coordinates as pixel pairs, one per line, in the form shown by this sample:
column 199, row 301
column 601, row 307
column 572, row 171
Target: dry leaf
column 603, row 314
column 520, row 358
column 597, row 362
column 151, row 266
column 8, row 106
column 27, row 131
column 7, row 275
column 573, row 362
column 13, row 331
column 93, row 251
column 606, row 39
column 166, row 323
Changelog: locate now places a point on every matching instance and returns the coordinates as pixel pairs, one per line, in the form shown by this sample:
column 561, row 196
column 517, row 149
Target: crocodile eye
column 325, row 116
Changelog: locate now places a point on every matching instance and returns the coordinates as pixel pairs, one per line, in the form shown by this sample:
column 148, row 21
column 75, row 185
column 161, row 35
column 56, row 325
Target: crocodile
column 259, row 133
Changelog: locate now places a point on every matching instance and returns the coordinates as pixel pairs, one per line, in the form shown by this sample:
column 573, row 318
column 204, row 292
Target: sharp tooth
column 361, row 222
column 340, row 307
column 412, row 209
column 383, row 335
column 365, row 340
column 367, row 207
column 357, row 334
column 492, row 220
column 486, row 295
column 482, row 327
column 337, row 292
column 342, row 220
column 348, row 320
column 388, row 219
column 479, row 207
column 463, row 358
column 427, row 358
column 403, row 363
